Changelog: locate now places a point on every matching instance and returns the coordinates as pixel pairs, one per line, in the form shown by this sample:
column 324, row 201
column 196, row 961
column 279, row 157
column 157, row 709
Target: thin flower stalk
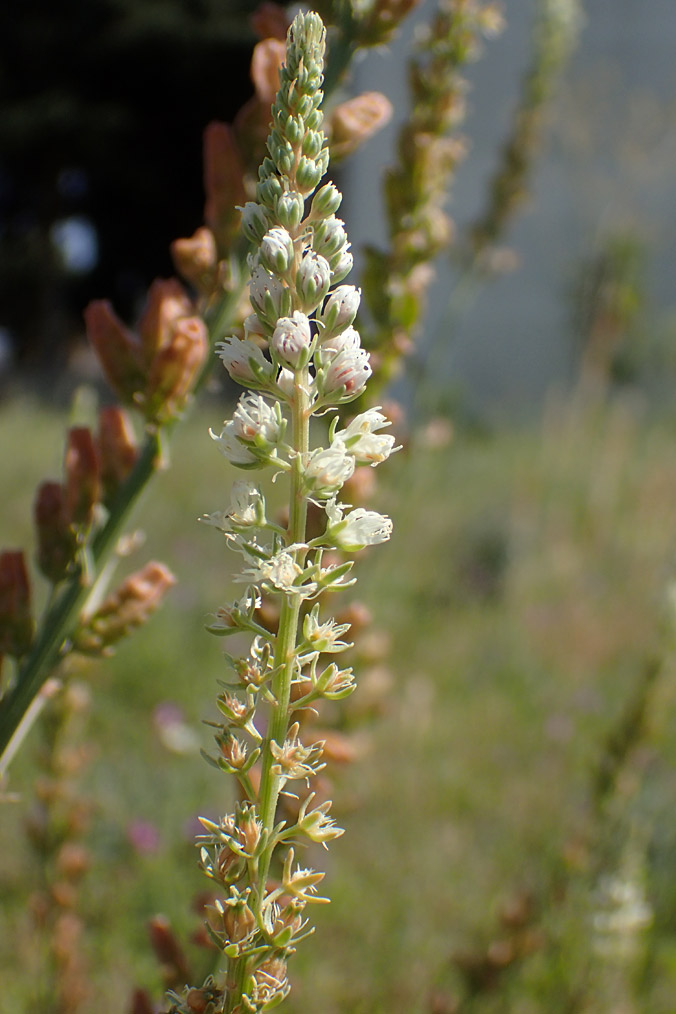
column 301, row 359
column 557, row 24
column 430, row 147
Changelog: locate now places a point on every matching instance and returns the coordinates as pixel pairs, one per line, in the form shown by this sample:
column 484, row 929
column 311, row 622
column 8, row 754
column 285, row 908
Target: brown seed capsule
column 16, row 622
column 56, row 541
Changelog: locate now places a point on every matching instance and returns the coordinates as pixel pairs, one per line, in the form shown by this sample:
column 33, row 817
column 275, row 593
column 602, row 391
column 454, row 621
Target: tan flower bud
column 166, row 303
column 175, row 369
column 268, row 56
column 16, row 622
column 130, row 606
column 195, row 258
column 356, row 120
column 117, row 448
column 116, row 348
column 81, row 477
column 223, row 183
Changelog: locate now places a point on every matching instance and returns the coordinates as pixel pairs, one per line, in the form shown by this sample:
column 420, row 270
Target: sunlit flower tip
column 346, row 375
column 327, row 470
column 313, row 279
column 256, row 422
column 291, row 339
column 339, row 310
column 232, row 448
column 359, row 529
column 347, row 340
column 244, row 361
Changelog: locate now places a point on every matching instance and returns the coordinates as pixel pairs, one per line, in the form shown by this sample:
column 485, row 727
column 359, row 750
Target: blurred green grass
column 523, row 591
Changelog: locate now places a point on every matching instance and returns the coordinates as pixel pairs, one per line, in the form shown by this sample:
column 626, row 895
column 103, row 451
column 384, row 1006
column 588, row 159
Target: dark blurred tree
column 102, row 108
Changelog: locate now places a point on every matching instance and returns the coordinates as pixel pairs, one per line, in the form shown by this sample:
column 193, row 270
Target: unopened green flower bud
column 326, row 201
column 330, row 238
column 313, row 143
column 341, row 265
column 270, row 188
column 276, row 251
column 289, row 209
column 291, row 339
column 308, row 174
column 339, row 310
column 269, row 297
column 255, row 221
column 313, row 279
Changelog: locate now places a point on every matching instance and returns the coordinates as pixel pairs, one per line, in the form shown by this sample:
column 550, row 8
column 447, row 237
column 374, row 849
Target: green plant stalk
column 287, row 636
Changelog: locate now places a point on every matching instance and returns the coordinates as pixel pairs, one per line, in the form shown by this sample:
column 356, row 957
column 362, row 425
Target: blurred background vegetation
column 510, row 841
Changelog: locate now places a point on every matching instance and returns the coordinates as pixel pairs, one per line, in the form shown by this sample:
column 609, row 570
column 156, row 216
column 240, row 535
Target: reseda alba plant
column 300, row 358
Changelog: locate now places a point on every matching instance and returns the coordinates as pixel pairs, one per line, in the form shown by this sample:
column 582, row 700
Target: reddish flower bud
column 195, row 258
column 117, row 449
column 82, row 487
column 266, row 61
column 56, row 541
column 116, row 347
column 166, row 303
column 223, row 183
column 356, row 120
column 16, row 622
column 176, row 368
column 270, row 21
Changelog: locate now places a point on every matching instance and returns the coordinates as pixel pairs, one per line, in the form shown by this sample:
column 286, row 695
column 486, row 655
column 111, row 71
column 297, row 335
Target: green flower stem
column 287, row 636
column 62, row 616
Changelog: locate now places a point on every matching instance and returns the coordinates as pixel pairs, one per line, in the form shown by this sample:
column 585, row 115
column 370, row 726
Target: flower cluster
column 300, row 358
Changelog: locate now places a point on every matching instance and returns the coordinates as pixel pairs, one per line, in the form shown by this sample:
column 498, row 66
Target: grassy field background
column 522, row 598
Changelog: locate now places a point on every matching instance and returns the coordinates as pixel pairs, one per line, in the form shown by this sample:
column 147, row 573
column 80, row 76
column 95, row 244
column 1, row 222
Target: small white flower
column 326, row 636
column 339, row 310
column 254, row 421
column 360, row 438
column 360, row 528
column 277, row 250
column 232, row 448
column 328, row 469
column 281, row 572
column 244, row 361
column 247, row 509
column 346, row 375
column 348, row 340
column 292, row 338
column 269, row 296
